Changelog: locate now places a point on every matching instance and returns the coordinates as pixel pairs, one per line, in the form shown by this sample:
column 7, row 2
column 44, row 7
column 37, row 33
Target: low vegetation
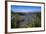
column 15, row 23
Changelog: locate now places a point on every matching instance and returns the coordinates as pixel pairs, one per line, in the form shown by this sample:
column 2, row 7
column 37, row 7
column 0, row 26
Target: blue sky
column 16, row 8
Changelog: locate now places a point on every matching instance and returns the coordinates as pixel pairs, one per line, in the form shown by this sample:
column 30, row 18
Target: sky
column 16, row 8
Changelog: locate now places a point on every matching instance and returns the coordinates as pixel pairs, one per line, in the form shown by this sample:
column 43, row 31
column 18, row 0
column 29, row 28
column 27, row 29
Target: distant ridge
column 25, row 12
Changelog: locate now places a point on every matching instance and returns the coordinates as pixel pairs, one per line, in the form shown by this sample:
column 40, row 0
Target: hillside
column 23, row 20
